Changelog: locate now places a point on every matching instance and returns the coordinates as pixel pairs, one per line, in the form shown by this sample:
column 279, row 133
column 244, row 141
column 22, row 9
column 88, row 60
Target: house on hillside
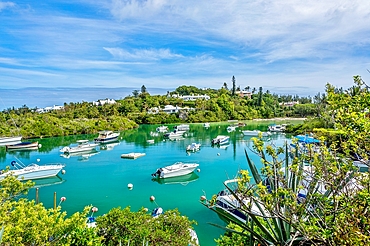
column 192, row 97
column 101, row 102
column 289, row 104
column 244, row 94
column 49, row 109
column 169, row 109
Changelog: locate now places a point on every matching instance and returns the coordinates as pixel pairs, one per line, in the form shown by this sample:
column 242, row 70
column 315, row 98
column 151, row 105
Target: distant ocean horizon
column 41, row 97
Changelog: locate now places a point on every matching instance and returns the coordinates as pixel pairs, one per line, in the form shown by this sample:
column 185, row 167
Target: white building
column 101, row 102
column 289, row 104
column 192, row 97
column 244, row 94
column 169, row 109
column 49, row 109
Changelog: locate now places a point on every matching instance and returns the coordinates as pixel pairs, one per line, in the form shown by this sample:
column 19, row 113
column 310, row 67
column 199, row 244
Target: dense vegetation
column 224, row 104
column 334, row 209
column 336, row 217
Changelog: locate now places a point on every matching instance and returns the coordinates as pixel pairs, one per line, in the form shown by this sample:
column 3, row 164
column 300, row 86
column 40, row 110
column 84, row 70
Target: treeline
column 127, row 113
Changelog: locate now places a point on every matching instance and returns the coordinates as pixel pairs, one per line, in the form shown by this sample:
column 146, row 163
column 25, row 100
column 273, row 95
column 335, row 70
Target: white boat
column 23, row 146
column 193, row 147
column 231, row 207
column 207, row 124
column 132, row 155
column 7, row 140
column 162, row 129
column 277, row 128
column 182, row 127
column 255, row 133
column 231, row 128
column 150, row 141
column 177, row 169
column 174, row 134
column 32, row 171
column 221, row 139
column 107, row 136
column 182, row 180
column 83, row 146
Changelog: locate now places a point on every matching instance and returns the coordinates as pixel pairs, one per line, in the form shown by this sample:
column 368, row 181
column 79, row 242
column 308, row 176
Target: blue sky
column 285, row 46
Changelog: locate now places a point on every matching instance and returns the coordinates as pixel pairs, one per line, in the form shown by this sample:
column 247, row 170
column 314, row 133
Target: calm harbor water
column 101, row 178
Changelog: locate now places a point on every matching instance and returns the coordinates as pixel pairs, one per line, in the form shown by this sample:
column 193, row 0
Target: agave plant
column 291, row 200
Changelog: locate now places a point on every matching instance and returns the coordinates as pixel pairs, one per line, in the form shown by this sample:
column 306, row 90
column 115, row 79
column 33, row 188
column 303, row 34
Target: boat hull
column 255, row 133
column 107, row 137
column 220, row 140
column 35, row 172
column 4, row 140
column 23, row 146
column 175, row 170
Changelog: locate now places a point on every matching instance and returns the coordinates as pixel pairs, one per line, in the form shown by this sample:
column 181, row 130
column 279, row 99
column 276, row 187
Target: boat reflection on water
column 183, row 180
column 48, row 181
column 109, row 146
column 82, row 156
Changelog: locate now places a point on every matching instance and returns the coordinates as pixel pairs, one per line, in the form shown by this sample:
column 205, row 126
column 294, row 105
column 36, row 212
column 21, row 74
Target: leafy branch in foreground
column 313, row 195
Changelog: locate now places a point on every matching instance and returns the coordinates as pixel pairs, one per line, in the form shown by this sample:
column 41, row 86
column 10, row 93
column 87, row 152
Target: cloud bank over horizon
column 285, row 46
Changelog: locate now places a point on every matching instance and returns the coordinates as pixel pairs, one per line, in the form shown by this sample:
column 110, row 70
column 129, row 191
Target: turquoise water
column 101, row 179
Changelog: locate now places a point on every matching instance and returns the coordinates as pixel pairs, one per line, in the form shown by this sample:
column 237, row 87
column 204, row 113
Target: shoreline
column 280, row 119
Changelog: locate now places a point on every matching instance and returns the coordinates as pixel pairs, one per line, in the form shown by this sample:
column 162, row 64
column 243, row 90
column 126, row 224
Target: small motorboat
column 10, row 140
column 157, row 211
column 182, row 127
column 231, row 128
column 193, row 147
column 32, row 171
column 132, row 155
column 107, row 137
column 162, row 129
column 174, row 134
column 82, row 146
column 179, row 180
column 23, row 146
column 207, row 124
column 277, row 128
column 220, row 140
column 177, row 169
column 255, row 133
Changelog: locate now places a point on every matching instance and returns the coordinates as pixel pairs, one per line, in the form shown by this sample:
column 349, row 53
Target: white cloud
column 4, row 5
column 280, row 29
column 142, row 54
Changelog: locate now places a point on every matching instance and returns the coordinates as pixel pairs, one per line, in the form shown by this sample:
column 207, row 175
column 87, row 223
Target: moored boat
column 221, row 139
column 174, row 134
column 107, row 137
column 162, row 129
column 177, row 169
column 32, row 171
column 182, row 180
column 255, row 133
column 182, row 127
column 23, row 146
column 231, row 128
column 277, row 128
column 193, row 147
column 83, row 146
column 12, row 140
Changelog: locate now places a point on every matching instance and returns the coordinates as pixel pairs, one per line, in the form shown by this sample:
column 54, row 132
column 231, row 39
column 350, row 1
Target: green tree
column 234, row 86
column 333, row 210
column 143, row 89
